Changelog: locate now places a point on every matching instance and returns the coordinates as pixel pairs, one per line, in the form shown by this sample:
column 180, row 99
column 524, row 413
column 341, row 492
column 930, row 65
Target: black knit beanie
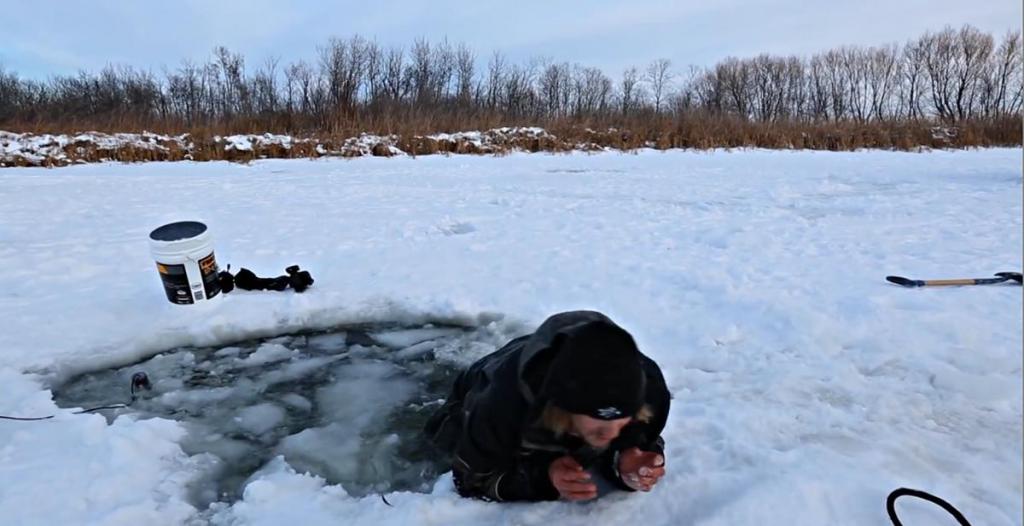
column 596, row 372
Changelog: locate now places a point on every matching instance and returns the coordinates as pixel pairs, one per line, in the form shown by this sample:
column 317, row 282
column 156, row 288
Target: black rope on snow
column 140, row 381
column 890, row 505
column 91, row 409
column 115, row 406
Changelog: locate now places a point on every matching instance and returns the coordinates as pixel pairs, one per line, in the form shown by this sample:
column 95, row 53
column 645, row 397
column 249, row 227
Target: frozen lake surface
column 805, row 386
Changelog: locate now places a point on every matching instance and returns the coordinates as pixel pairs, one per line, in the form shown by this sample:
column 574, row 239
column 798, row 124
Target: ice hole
column 347, row 405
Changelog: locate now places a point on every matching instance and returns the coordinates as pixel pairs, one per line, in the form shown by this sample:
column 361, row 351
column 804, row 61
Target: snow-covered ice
column 805, row 387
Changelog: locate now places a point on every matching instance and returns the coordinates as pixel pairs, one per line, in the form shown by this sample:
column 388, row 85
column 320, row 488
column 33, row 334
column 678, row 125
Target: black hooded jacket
column 490, row 422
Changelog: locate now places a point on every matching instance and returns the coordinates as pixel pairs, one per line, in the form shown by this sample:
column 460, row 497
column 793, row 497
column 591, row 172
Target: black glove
column 298, row 280
column 225, row 280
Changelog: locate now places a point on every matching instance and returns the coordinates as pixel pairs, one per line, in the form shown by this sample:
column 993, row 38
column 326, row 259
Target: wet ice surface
column 346, row 405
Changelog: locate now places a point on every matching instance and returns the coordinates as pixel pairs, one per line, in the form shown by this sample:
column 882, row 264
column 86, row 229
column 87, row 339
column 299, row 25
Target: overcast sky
column 45, row 37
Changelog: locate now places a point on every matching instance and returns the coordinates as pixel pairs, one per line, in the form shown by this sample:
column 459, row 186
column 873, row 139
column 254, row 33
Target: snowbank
column 26, row 149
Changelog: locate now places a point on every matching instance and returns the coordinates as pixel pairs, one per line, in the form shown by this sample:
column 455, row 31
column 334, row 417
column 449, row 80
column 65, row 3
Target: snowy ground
column 806, row 387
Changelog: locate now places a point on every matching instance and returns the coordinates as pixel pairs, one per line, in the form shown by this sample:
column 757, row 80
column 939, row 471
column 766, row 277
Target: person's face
column 596, row 432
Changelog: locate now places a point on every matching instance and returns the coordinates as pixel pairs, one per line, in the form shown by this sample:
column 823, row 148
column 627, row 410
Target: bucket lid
column 178, row 231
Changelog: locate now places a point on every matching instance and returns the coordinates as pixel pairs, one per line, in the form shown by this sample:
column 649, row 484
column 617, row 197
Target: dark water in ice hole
column 346, row 405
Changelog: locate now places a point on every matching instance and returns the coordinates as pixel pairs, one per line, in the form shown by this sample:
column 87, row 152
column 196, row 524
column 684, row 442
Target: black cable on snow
column 25, row 418
column 890, row 505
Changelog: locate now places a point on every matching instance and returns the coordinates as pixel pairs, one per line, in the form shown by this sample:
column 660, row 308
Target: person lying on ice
column 572, row 411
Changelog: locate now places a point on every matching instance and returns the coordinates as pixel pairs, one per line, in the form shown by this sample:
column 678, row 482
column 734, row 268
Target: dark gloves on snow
column 245, row 279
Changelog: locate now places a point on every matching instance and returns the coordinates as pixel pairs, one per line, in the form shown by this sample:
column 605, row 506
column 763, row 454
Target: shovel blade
column 1015, row 276
column 900, row 280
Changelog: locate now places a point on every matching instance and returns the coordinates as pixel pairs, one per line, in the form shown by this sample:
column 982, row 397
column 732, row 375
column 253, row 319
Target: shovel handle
column 899, row 280
column 949, row 282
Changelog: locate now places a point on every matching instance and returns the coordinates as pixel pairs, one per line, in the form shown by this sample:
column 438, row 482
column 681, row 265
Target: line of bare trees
column 952, row 76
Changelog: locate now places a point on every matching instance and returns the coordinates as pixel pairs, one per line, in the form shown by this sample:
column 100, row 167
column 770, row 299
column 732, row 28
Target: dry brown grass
column 692, row 131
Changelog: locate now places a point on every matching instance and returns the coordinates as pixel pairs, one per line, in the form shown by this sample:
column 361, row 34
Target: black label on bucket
column 175, row 283
column 208, row 268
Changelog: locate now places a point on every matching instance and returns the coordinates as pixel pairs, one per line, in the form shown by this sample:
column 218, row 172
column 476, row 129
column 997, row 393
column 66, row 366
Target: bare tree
column 913, row 71
column 838, row 84
column 1006, row 76
column 769, row 87
column 443, row 71
column 882, row 75
column 818, row 89
column 973, row 49
column 495, row 78
column 737, row 82
column 659, row 77
column 374, row 74
column 708, row 89
column 464, row 72
column 343, row 64
column 940, row 54
column 554, row 89
column 591, row 91
column 855, row 72
column 632, row 94
column 265, row 88
column 394, row 80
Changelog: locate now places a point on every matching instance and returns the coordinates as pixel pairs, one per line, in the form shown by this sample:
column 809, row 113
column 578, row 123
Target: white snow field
column 805, row 386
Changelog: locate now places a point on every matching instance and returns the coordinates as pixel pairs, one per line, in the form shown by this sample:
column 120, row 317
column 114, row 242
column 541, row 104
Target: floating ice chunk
column 246, row 389
column 328, row 342
column 416, row 351
column 339, row 454
column 360, row 351
column 195, row 397
column 259, row 419
column 167, row 385
column 332, row 451
column 427, row 405
column 267, row 353
column 281, row 482
column 229, row 450
column 462, row 351
column 227, row 351
column 378, row 455
column 406, row 338
column 298, row 369
column 363, row 393
column 297, row 401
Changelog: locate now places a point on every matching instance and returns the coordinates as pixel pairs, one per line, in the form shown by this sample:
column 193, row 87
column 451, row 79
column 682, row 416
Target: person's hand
column 571, row 480
column 641, row 470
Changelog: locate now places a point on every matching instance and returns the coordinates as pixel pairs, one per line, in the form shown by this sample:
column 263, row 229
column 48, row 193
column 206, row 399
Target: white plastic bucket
column 184, row 258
